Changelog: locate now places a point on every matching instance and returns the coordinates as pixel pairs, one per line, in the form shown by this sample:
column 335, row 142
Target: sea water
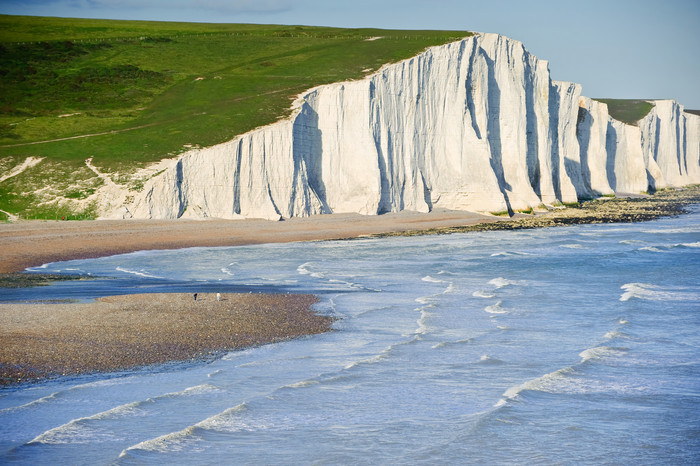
column 574, row 345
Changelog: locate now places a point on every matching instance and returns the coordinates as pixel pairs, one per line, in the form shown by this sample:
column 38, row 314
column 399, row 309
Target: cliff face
column 472, row 125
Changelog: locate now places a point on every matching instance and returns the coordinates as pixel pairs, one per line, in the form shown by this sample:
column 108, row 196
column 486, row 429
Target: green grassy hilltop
column 127, row 93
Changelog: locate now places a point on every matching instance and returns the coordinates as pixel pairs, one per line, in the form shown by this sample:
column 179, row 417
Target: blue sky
column 614, row 48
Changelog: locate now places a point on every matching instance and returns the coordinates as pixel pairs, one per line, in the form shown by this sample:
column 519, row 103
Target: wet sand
column 121, row 332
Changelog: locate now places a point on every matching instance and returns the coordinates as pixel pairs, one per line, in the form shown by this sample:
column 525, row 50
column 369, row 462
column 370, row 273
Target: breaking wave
column 649, row 292
column 138, row 273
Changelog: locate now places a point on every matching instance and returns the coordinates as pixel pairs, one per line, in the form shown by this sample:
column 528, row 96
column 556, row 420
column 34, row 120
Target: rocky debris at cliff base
column 664, row 203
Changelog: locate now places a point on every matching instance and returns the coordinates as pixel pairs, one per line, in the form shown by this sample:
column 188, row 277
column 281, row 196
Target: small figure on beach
column 218, row 296
column 195, row 296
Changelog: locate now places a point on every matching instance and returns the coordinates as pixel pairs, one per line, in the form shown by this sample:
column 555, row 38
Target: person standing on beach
column 218, row 296
column 195, row 296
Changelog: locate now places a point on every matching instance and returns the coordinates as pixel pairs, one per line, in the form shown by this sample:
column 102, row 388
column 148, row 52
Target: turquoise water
column 576, row 345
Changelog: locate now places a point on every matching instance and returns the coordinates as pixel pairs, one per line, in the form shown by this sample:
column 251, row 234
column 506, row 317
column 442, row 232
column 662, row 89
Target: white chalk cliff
column 473, row 125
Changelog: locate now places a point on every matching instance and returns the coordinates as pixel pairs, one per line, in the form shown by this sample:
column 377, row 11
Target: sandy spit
column 122, row 332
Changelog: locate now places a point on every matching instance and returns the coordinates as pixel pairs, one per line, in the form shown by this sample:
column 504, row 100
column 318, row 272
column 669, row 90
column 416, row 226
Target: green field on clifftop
column 127, row 93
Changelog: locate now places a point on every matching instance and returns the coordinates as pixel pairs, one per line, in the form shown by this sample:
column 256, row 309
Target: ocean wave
column 650, row 292
column 486, row 359
column 444, row 344
column 383, row 355
column 673, row 231
column 630, row 241
column 304, row 269
column 615, row 334
column 138, row 273
column 483, row 294
column 601, row 352
column 501, row 282
column 572, row 246
column 78, row 431
column 303, row 384
column 550, row 382
column 202, row 389
column 496, row 308
column 510, row 253
column 227, row 270
column 430, row 279
column 60, row 394
column 182, row 439
column 651, row 249
column 423, row 326
column 33, row 403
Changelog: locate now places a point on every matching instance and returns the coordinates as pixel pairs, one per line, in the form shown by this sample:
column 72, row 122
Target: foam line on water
column 77, row 430
column 177, row 441
column 501, row 282
column 62, row 393
column 496, row 308
column 138, row 273
column 651, row 292
column 544, row 383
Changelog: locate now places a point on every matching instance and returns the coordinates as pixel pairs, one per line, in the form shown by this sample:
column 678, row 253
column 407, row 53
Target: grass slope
column 627, row 110
column 128, row 93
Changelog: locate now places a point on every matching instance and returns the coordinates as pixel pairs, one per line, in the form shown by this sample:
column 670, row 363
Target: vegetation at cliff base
column 127, row 93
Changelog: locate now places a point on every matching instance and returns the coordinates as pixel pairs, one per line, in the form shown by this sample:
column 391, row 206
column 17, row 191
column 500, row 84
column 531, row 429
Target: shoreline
column 27, row 244
column 44, row 341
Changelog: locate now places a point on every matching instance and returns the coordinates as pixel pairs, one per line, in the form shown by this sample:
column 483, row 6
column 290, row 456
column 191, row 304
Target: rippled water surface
column 570, row 345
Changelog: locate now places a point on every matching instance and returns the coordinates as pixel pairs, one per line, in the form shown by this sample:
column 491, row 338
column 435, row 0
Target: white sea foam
column 486, row 359
column 650, row 249
column 138, row 273
column 630, row 241
column 444, row 344
column 79, row 431
column 547, row 383
column 601, row 352
column 483, row 294
column 572, row 246
column 181, row 440
column 501, row 282
column 496, row 308
column 649, row 292
column 430, row 279
column 305, row 269
column 33, row 403
column 510, row 253
column 673, row 231
column 227, row 270
column 303, row 384
column 423, row 326
column 615, row 334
